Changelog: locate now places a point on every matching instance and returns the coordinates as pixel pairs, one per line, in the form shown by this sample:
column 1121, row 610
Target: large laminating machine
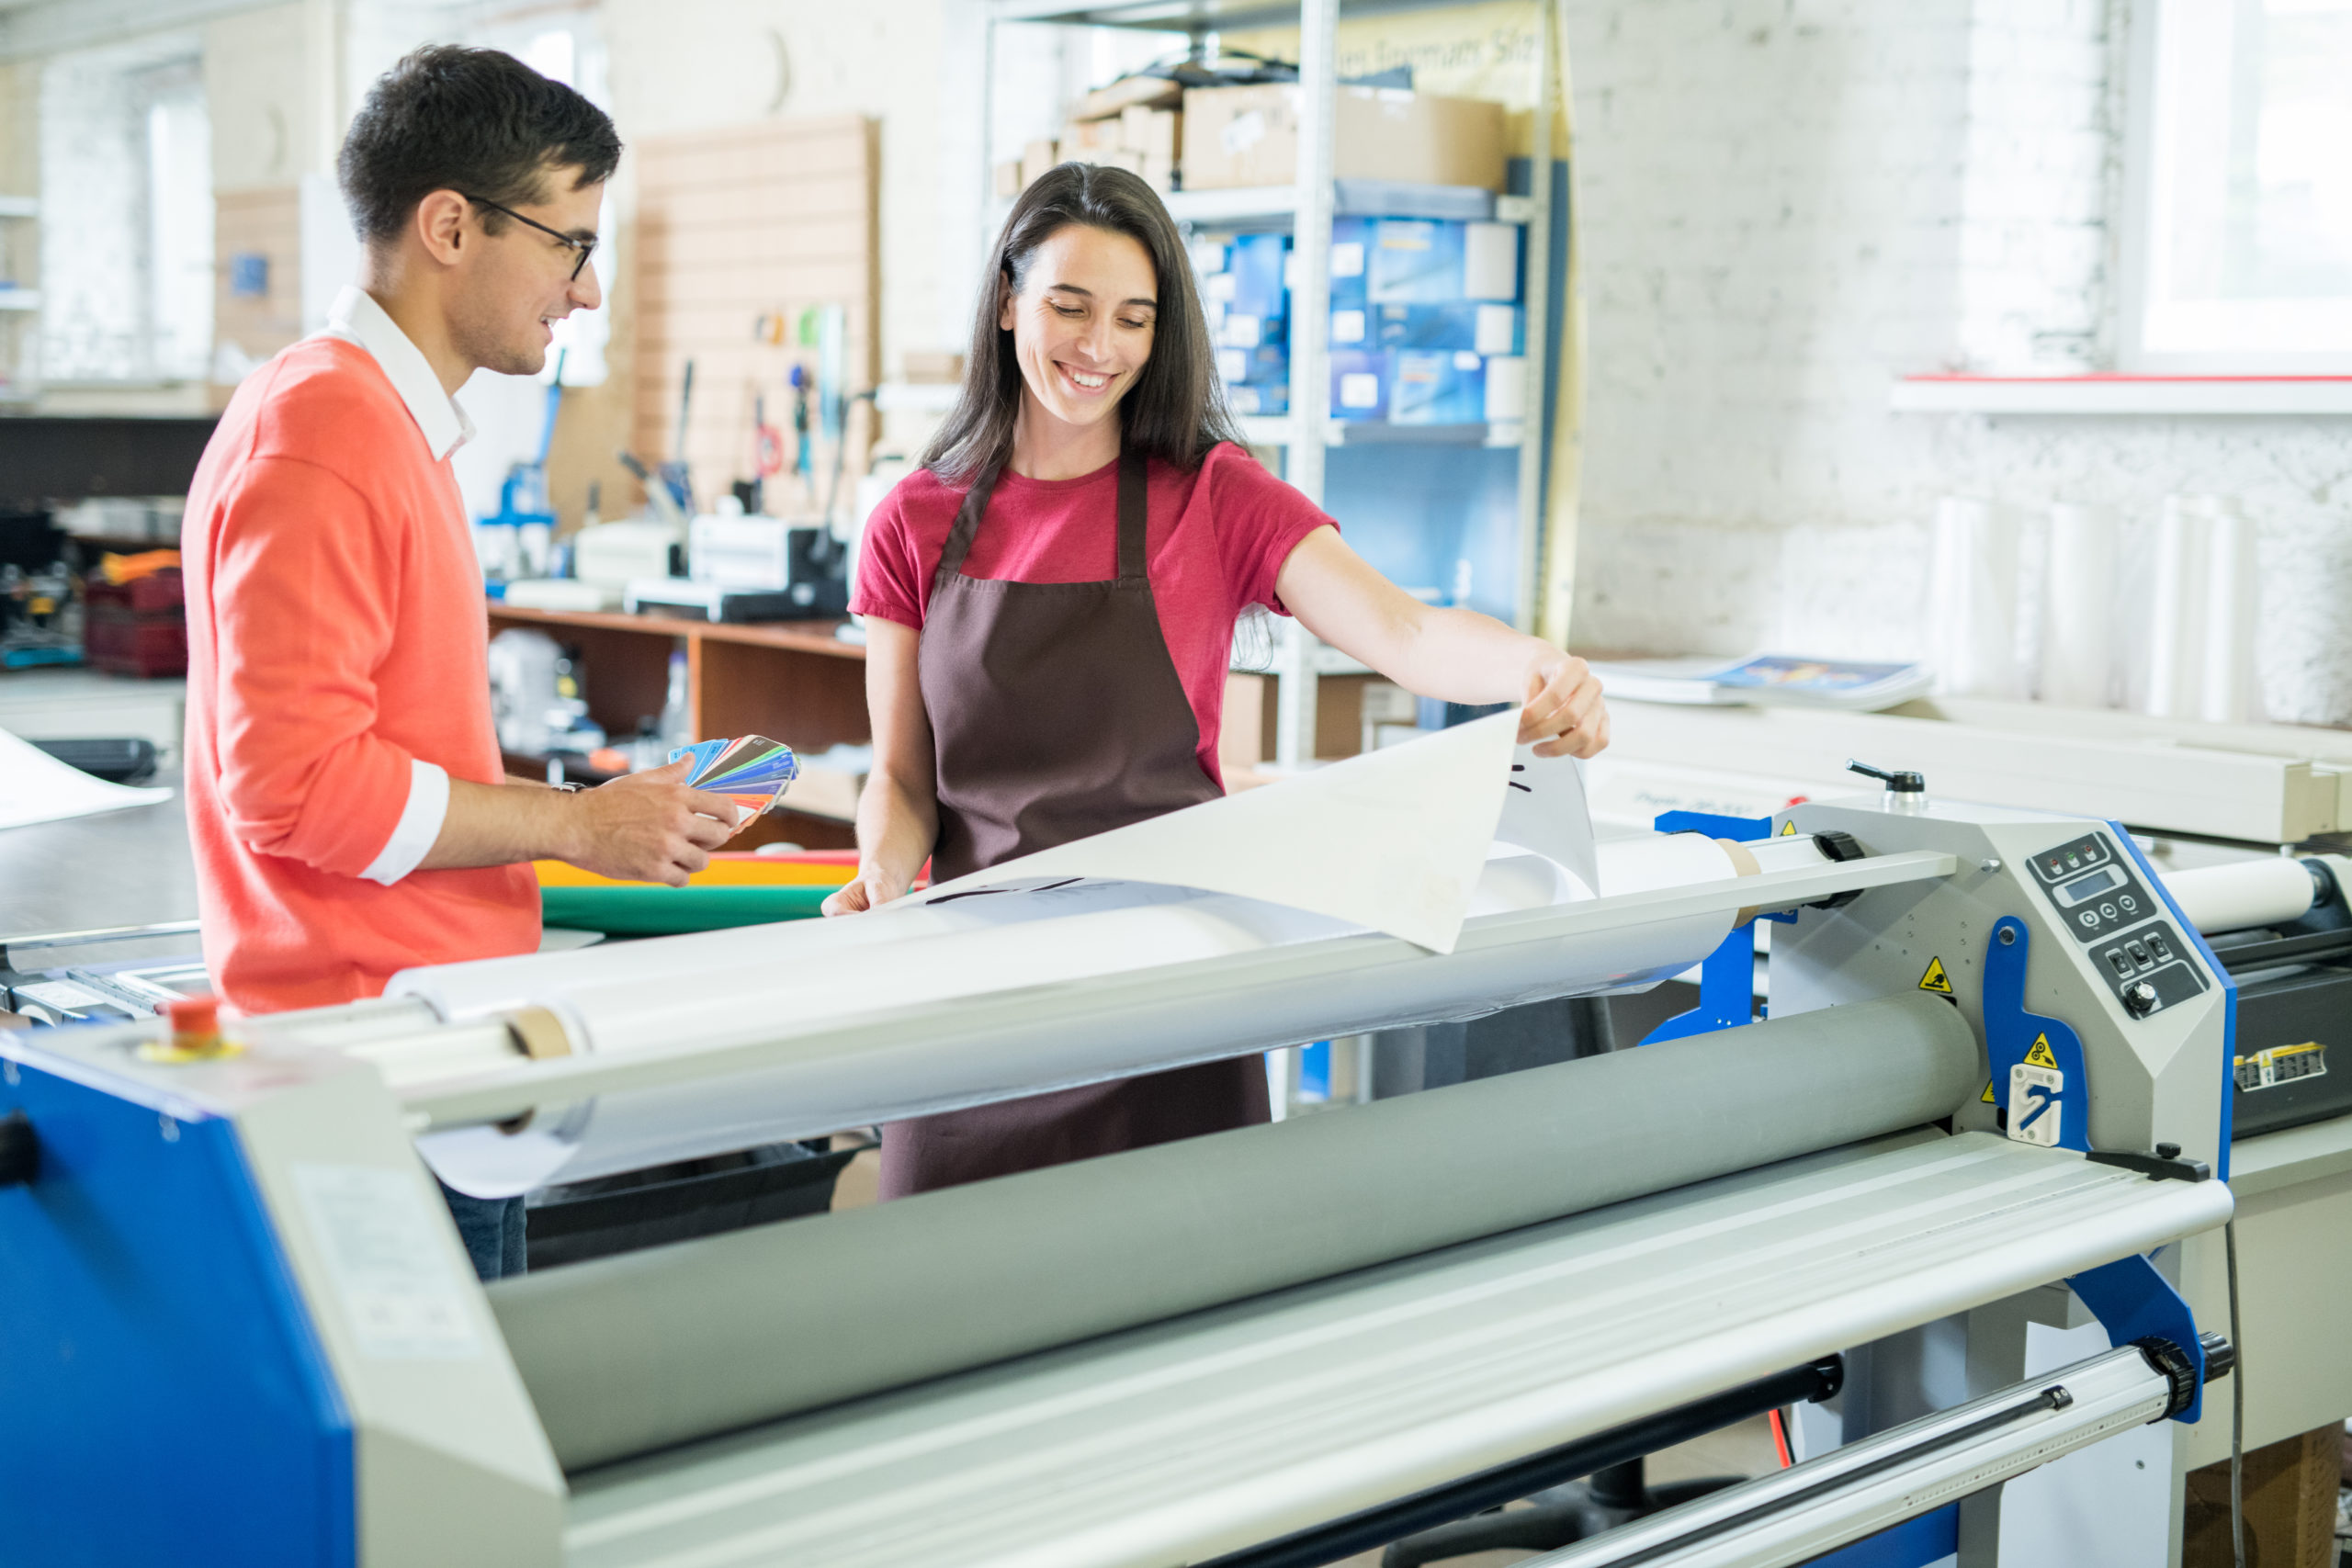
column 237, row 1325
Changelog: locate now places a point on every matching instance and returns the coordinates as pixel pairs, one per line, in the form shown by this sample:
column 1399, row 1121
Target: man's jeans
column 493, row 1230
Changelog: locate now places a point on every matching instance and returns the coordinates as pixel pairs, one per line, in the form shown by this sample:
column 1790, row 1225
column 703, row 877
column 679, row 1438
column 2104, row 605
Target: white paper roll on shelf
column 1972, row 599
column 2078, row 608
column 2233, row 607
column 2176, row 610
column 2244, row 895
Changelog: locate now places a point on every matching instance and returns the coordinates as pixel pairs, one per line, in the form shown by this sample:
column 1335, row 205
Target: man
column 346, row 801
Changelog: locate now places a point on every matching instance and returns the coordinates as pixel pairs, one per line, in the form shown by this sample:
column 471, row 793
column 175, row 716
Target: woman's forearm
column 896, row 829
column 1461, row 656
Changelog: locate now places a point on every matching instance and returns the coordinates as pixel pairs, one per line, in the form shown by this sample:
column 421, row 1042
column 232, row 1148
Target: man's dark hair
column 471, row 121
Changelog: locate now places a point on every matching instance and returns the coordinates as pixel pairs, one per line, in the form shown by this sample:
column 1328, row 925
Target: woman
column 1050, row 605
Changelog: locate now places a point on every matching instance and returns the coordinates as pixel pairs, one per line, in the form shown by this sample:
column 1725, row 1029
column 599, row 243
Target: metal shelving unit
column 20, row 306
column 1308, row 432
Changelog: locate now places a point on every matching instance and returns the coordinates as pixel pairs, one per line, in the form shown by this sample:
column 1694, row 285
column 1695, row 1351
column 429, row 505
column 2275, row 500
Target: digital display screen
column 2090, row 886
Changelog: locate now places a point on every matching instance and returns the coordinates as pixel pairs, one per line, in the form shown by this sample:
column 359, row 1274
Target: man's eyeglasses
column 585, row 248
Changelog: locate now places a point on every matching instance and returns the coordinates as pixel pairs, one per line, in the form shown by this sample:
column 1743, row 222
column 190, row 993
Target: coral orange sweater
column 336, row 635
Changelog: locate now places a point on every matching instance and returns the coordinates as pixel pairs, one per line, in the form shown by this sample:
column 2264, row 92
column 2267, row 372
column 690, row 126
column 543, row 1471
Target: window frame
column 2137, row 242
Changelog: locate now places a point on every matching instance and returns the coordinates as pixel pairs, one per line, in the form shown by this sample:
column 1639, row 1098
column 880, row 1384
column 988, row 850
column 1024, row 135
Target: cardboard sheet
column 1394, row 840
column 37, row 787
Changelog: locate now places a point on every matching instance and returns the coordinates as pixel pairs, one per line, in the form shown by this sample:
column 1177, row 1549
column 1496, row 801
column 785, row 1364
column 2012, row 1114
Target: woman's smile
column 1085, row 383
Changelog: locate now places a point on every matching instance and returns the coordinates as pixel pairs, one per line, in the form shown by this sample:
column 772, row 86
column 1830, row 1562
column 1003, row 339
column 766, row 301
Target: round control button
column 2088, row 919
column 2140, row 998
column 2129, row 903
column 2107, row 910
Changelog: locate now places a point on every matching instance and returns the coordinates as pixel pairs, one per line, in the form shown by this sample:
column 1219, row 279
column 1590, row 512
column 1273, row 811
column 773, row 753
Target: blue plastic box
column 1437, row 387
column 1360, row 380
column 1255, row 265
column 1430, row 261
column 1475, row 326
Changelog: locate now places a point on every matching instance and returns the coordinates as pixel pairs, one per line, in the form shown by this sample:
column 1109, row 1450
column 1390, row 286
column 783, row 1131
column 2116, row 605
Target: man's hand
column 1563, row 707
column 872, row 888
column 647, row 826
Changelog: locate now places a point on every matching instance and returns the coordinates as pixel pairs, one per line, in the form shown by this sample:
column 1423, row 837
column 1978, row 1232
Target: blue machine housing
column 161, row 1290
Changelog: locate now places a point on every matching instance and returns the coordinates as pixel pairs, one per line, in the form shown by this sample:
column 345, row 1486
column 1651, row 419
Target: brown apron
column 1056, row 714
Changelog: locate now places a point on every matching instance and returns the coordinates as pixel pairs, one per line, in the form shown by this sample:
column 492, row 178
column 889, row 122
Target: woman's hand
column 872, row 888
column 1563, row 708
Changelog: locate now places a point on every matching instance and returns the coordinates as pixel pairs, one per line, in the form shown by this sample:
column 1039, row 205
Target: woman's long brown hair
column 1176, row 410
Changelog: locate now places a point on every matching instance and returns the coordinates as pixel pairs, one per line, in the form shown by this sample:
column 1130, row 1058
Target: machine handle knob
column 2140, row 998
column 20, row 1150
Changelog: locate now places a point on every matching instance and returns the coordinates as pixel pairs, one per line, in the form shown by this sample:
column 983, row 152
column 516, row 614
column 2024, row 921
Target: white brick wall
column 1788, row 202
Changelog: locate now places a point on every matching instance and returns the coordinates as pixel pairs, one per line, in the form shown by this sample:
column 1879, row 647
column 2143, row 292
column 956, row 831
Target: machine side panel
column 451, row 1463
column 162, row 1380
column 2196, row 940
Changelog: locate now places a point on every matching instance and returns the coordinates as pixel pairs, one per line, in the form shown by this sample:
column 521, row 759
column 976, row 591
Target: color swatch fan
column 752, row 770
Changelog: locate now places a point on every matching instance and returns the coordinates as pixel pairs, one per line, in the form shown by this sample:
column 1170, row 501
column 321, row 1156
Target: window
column 125, row 215
column 2238, row 238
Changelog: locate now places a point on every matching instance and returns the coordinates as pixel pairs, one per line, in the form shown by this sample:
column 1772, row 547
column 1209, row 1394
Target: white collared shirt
column 357, row 319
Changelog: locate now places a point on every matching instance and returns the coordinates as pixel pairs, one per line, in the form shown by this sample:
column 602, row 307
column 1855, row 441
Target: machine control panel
column 2096, row 891
column 2100, row 898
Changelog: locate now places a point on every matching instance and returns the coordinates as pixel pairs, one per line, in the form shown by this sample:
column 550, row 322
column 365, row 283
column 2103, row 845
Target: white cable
column 2237, row 1405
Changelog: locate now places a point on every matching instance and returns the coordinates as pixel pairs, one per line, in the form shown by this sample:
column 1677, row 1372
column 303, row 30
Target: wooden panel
column 267, row 223
column 733, row 226
column 808, row 703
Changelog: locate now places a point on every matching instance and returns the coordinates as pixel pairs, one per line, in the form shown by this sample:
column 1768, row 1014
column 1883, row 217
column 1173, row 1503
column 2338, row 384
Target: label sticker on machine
column 2037, row 1101
column 1935, row 979
column 388, row 1264
column 2281, row 1064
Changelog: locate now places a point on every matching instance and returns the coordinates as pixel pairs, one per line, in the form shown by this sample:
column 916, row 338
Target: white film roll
column 2243, row 894
column 2176, row 611
column 2078, row 608
column 824, row 982
column 1972, row 599
column 2233, row 608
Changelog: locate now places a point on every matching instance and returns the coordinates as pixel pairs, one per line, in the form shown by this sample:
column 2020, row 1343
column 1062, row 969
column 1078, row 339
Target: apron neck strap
column 1133, row 516
column 1135, row 512
column 967, row 523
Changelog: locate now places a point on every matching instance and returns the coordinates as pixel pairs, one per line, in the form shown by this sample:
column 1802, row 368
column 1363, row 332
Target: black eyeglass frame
column 586, row 247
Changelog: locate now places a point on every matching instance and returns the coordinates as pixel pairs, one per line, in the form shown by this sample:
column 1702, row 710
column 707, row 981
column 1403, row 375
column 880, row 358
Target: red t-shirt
column 1215, row 540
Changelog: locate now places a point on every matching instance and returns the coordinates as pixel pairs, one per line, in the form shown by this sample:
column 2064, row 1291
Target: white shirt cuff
column 420, row 824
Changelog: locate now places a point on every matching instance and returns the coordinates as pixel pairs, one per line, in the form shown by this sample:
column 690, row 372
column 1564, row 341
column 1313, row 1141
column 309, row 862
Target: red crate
column 138, row 627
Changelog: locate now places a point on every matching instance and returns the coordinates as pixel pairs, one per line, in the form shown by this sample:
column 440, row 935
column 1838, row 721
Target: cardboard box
column 1035, row 159
column 1156, row 134
column 1103, row 103
column 2289, row 1490
column 1236, row 137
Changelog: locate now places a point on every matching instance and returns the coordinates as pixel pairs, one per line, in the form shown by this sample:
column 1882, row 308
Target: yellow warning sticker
column 2038, row 1054
column 1935, row 979
column 1987, row 1096
column 1787, row 828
